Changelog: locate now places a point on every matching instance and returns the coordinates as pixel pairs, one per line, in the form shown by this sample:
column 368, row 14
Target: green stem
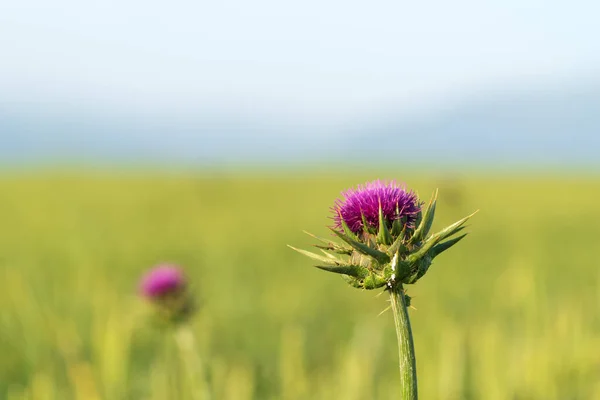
column 172, row 365
column 193, row 368
column 406, row 348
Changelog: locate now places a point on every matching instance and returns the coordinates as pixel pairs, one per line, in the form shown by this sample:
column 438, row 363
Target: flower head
column 162, row 280
column 363, row 203
column 378, row 250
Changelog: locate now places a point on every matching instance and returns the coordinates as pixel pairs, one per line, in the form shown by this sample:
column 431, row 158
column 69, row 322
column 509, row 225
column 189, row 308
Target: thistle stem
column 172, row 367
column 195, row 378
column 406, row 348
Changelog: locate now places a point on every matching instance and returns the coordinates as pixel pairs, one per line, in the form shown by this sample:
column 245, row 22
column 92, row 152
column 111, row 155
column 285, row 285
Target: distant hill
column 92, row 137
column 554, row 127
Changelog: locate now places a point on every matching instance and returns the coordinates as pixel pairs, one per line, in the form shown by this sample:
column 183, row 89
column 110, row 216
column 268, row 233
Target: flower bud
column 165, row 286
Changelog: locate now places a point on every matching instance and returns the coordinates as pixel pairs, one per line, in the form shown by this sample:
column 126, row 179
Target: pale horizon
column 237, row 81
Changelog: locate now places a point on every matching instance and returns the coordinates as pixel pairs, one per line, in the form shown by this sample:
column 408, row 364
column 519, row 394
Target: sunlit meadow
column 511, row 313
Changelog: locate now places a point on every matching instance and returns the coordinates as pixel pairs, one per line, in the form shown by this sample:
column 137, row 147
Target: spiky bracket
column 388, row 256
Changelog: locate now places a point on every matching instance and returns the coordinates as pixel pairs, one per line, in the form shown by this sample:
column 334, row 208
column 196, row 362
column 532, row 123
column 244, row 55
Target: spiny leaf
column 419, row 268
column 451, row 233
column 397, row 246
column 402, row 271
column 338, row 250
column 355, row 271
column 374, row 282
column 331, row 256
column 347, row 230
column 441, row 247
column 329, row 245
column 384, row 235
column 425, row 225
column 438, row 237
column 452, row 229
column 354, row 282
column 326, row 260
column 398, row 224
column 366, row 226
column 419, row 217
column 381, row 257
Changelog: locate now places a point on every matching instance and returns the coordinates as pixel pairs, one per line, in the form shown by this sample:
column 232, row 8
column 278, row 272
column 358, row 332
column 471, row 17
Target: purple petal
column 161, row 280
column 396, row 203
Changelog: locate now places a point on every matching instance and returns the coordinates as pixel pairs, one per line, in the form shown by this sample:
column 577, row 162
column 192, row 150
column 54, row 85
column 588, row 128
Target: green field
column 512, row 312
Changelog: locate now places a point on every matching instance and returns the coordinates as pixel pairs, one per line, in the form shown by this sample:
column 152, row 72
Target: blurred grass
column 512, row 313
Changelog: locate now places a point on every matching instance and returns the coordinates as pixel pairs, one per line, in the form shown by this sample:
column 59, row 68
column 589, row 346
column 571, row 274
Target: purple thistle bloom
column 396, row 203
column 162, row 280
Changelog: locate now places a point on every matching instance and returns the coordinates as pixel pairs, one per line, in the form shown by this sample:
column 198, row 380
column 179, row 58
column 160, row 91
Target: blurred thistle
column 166, row 287
column 386, row 244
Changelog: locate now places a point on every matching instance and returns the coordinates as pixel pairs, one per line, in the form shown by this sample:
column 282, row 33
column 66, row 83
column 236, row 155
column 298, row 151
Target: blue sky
column 325, row 61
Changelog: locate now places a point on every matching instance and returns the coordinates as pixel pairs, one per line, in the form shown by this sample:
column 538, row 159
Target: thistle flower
column 386, row 244
column 165, row 286
column 162, row 280
column 386, row 234
column 360, row 207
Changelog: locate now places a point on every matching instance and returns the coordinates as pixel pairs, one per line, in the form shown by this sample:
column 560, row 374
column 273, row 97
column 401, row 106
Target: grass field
column 513, row 312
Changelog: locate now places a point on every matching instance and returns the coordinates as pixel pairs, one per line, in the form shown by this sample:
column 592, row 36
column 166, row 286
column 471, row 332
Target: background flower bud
column 162, row 280
column 166, row 287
